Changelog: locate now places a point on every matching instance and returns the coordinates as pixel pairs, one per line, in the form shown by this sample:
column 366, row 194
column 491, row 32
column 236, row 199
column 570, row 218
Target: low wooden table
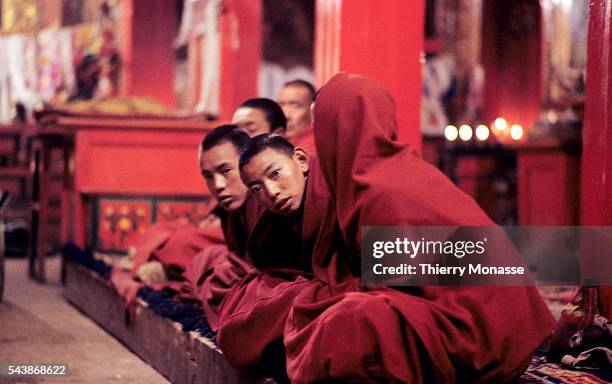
column 111, row 156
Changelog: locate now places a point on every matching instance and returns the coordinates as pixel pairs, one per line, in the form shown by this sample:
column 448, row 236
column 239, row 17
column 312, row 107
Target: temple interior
column 123, row 259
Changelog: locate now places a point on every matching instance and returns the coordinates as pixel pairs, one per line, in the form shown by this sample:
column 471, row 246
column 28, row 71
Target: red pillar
column 381, row 39
column 149, row 62
column 597, row 132
column 596, row 185
column 241, row 31
column 148, row 53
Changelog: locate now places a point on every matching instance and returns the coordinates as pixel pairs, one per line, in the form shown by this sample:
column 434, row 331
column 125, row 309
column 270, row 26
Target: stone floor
column 38, row 325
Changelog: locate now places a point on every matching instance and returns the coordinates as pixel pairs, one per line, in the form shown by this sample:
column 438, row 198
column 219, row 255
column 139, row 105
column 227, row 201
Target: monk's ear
column 300, row 156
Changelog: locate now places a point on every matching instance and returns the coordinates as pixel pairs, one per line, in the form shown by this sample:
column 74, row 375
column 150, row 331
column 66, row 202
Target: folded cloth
column 593, row 358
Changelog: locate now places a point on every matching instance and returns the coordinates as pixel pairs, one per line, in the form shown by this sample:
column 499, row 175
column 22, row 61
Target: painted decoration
column 193, row 211
column 121, row 222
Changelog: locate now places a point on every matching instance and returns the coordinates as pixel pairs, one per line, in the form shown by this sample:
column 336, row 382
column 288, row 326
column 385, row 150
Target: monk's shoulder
column 428, row 199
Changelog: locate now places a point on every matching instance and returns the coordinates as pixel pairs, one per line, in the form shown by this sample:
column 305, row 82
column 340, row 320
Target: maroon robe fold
column 210, row 276
column 340, row 331
column 254, row 312
column 209, row 260
column 178, row 251
column 215, row 270
column 174, row 244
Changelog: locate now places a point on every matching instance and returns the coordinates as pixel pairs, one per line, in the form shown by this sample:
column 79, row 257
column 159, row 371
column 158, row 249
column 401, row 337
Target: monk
column 215, row 270
column 174, row 244
column 187, row 247
column 286, row 181
column 290, row 117
column 259, row 116
column 340, row 331
column 254, row 116
column 295, row 98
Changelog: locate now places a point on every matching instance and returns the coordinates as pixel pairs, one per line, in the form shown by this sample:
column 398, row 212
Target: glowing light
column 465, row 132
column 500, row 124
column 552, row 117
column 451, row 133
column 482, row 132
column 516, row 132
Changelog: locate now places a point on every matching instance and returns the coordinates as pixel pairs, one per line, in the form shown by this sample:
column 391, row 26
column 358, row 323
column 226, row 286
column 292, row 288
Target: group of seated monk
column 282, row 287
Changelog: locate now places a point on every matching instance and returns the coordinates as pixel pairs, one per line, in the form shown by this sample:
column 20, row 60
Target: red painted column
column 596, row 185
column 148, row 52
column 150, row 63
column 381, row 39
column 597, row 132
column 241, row 34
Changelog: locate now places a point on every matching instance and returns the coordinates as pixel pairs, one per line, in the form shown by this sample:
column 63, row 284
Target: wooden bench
column 182, row 357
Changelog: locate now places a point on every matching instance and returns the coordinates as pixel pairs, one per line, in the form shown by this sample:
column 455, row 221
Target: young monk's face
column 277, row 180
column 219, row 166
column 252, row 120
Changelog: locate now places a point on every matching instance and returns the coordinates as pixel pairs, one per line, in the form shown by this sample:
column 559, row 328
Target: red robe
column 216, row 269
column 209, row 260
column 179, row 250
column 174, row 244
column 254, row 312
column 338, row 330
column 305, row 139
